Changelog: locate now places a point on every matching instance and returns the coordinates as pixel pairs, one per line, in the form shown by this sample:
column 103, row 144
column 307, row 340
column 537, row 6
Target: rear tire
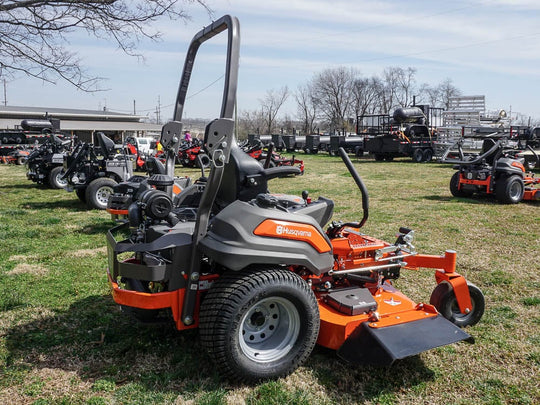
column 454, row 187
column 418, row 155
column 509, row 190
column 98, row 193
column 444, row 299
column 259, row 323
column 427, row 155
column 55, row 178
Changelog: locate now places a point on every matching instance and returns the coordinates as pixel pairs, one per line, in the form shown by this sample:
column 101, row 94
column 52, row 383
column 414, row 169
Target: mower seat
column 154, row 166
column 487, row 144
column 244, row 177
column 105, row 143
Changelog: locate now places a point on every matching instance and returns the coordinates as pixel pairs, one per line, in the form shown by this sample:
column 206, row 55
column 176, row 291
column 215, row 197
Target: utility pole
column 134, row 113
column 5, row 93
column 158, row 110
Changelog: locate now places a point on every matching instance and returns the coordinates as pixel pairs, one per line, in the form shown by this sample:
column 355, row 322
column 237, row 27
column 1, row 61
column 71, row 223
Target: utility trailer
column 16, row 144
column 406, row 133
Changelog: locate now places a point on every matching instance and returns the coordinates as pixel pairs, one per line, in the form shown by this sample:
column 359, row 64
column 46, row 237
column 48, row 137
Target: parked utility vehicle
column 258, row 274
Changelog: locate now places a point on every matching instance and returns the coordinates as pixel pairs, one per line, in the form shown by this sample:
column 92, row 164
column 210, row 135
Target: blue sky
column 485, row 47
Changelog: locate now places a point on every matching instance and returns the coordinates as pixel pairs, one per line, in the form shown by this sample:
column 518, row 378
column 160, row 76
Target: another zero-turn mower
column 495, row 171
column 125, row 193
column 94, row 173
column 258, row 275
column 45, row 163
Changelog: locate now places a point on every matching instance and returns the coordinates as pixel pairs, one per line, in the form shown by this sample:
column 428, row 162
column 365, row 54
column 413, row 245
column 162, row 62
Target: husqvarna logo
column 283, row 230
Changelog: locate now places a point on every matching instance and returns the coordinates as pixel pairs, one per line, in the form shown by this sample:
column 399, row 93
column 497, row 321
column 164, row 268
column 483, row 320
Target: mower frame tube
column 446, row 272
column 219, row 139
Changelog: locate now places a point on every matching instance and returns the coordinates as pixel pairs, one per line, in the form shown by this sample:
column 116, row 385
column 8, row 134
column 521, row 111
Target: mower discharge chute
column 258, row 275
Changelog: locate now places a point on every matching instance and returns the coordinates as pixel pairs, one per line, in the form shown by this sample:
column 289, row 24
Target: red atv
column 188, row 153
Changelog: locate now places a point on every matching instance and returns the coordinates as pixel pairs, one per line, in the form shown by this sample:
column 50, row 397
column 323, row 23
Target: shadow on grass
column 72, row 205
column 98, row 342
column 466, row 200
column 23, row 186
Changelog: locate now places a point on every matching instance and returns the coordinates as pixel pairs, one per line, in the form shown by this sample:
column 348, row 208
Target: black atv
column 45, row 164
column 496, row 170
column 92, row 172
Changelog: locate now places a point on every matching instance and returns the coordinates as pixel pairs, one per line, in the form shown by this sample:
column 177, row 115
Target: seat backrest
column 487, row 144
column 105, row 143
column 243, row 178
column 154, row 166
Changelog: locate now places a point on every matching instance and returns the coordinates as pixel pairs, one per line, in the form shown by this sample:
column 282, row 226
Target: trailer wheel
column 427, row 155
column 98, row 193
column 509, row 190
column 454, row 187
column 55, row 178
column 389, row 158
column 444, row 299
column 259, row 323
column 418, row 155
column 379, row 157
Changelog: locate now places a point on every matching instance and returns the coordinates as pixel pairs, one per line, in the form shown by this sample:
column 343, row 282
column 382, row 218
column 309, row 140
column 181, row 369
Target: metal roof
column 66, row 113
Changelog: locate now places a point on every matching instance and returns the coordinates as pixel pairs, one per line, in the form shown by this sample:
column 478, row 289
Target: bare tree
column 250, row 121
column 364, row 93
column 333, row 89
column 440, row 94
column 271, row 104
column 34, row 33
column 307, row 106
column 396, row 88
column 446, row 89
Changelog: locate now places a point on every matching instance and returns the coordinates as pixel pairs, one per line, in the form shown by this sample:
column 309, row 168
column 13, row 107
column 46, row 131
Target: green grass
column 63, row 339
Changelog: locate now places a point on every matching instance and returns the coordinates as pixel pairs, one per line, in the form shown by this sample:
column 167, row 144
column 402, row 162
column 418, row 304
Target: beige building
column 83, row 123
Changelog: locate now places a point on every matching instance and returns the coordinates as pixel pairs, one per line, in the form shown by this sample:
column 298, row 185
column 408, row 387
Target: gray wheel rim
column 269, row 329
column 515, row 190
column 60, row 181
column 456, row 313
column 102, row 195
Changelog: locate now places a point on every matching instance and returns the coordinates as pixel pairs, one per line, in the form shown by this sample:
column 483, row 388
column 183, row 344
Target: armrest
column 281, row 171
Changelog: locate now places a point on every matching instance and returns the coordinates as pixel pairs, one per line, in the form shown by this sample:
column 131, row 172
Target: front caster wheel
column 444, row 299
column 259, row 323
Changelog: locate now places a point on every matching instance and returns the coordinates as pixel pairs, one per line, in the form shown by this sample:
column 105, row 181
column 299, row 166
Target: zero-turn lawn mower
column 45, row 163
column 497, row 171
column 268, row 157
column 17, row 156
column 258, row 274
column 93, row 172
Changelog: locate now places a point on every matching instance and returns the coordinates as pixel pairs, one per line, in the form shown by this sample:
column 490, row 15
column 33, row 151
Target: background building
column 83, row 123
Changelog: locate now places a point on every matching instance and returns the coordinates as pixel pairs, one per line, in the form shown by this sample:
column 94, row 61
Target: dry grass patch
column 89, row 252
column 25, row 268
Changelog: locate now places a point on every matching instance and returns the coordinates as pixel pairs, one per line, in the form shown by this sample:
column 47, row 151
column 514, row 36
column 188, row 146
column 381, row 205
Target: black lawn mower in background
column 93, row 172
column 497, row 170
column 45, row 164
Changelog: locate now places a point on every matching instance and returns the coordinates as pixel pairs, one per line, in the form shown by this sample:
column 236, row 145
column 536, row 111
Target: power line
column 170, row 105
column 450, row 48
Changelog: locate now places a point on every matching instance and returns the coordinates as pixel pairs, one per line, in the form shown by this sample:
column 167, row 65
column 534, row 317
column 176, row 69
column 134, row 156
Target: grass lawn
column 64, row 341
